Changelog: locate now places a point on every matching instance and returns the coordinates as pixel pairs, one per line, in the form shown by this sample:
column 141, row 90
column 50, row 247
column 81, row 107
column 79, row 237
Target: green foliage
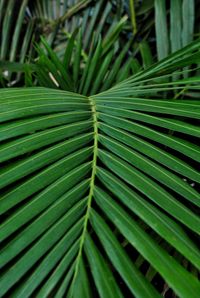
column 23, row 22
column 75, row 168
column 99, row 152
column 75, row 72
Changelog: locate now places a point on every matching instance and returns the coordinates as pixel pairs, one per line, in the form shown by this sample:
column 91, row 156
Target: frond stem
column 90, row 196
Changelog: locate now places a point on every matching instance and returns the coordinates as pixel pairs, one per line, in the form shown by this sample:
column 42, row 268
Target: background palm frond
column 57, row 20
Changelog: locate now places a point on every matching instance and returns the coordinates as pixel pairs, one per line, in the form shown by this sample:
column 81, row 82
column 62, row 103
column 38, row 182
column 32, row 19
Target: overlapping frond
column 23, row 22
column 17, row 35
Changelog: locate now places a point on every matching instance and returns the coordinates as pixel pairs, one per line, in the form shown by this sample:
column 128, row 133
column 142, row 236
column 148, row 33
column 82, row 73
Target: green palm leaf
column 92, row 187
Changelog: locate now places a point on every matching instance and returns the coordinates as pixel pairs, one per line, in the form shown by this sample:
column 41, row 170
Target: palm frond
column 181, row 30
column 23, row 23
column 16, row 37
column 75, row 72
column 89, row 180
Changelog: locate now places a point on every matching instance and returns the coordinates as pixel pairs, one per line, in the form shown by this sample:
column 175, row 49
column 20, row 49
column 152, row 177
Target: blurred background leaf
column 152, row 29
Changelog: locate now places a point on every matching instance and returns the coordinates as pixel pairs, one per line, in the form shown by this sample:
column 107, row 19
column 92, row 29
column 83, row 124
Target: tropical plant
column 22, row 22
column 99, row 190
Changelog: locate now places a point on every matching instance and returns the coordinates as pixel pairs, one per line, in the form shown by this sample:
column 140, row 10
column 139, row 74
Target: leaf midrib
column 91, row 192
